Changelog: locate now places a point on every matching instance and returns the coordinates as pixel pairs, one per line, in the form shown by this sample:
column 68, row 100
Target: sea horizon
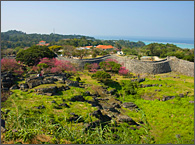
column 179, row 42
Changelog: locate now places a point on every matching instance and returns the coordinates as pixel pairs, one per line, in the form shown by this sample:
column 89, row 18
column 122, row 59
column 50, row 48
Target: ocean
column 179, row 42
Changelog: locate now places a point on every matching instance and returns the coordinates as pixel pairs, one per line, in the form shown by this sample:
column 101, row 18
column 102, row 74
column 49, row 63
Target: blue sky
column 174, row 19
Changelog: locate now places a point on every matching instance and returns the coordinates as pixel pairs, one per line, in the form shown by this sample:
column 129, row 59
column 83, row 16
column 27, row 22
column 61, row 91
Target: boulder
column 92, row 125
column 52, row 89
column 3, row 126
column 76, row 118
column 65, row 105
column 77, row 98
column 103, row 118
column 72, row 83
column 181, row 95
column 125, row 118
column 112, row 92
column 165, row 98
column 23, row 86
column 15, row 86
column 129, row 105
column 87, row 93
column 34, row 83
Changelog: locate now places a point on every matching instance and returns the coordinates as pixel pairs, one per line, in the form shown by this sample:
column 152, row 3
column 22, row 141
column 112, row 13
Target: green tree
column 32, row 55
column 101, row 76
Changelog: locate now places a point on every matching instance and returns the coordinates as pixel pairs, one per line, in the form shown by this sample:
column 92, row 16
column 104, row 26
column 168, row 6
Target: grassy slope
column 165, row 119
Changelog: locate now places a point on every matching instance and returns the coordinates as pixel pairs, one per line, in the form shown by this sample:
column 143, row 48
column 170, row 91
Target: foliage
column 123, row 71
column 8, row 64
column 32, row 55
column 55, row 66
column 129, row 87
column 101, row 76
column 55, row 48
column 91, row 67
column 13, row 39
column 94, row 55
column 81, row 53
column 110, row 65
column 78, row 79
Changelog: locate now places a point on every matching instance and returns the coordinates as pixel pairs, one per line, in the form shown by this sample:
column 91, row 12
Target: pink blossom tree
column 123, row 71
column 8, row 64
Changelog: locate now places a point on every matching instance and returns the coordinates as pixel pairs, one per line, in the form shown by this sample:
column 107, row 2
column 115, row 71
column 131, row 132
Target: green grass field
column 165, row 122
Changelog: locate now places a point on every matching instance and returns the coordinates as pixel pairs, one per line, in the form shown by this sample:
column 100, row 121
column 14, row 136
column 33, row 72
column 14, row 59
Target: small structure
column 43, row 43
column 120, row 52
column 150, row 58
column 105, row 47
column 146, row 58
column 85, row 47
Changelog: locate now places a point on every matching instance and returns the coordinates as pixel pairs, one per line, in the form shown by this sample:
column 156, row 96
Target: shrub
column 129, row 87
column 78, row 79
column 86, row 66
column 55, row 66
column 110, row 65
column 32, row 55
column 8, row 64
column 101, row 76
column 91, row 67
column 123, row 71
column 94, row 55
column 42, row 65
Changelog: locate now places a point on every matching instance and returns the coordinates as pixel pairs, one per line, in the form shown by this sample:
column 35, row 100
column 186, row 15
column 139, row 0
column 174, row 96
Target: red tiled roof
column 43, row 44
column 42, row 41
column 88, row 46
column 104, row 46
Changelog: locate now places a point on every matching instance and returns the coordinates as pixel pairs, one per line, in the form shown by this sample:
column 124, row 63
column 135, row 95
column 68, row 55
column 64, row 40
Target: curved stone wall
column 136, row 66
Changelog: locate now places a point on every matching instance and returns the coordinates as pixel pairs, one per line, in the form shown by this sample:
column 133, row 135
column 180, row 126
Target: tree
column 55, row 48
column 32, row 55
column 81, row 53
column 101, row 76
column 118, row 46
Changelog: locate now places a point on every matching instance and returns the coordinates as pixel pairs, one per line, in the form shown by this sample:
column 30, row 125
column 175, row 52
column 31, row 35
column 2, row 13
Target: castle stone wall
column 136, row 66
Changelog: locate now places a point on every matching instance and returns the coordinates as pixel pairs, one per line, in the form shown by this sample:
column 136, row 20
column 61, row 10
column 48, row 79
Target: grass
column 171, row 121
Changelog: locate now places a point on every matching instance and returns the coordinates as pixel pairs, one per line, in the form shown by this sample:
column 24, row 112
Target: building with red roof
column 105, row 47
column 43, row 43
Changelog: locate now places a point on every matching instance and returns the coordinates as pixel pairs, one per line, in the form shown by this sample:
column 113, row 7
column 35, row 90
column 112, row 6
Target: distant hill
column 14, row 38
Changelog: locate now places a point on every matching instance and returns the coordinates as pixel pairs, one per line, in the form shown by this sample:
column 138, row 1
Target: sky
column 174, row 19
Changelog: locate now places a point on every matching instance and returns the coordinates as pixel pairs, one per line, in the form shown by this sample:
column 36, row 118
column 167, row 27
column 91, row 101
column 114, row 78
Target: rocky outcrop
column 72, row 83
column 77, row 98
column 129, row 105
column 7, row 80
column 47, row 91
column 3, row 126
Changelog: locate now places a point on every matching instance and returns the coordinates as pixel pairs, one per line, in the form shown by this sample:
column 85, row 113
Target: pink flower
column 123, row 71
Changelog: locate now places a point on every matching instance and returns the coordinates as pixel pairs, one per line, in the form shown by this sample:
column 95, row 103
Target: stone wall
column 181, row 66
column 136, row 66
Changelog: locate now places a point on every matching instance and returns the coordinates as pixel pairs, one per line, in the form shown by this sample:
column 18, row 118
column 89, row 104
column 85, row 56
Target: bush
column 110, row 65
column 55, row 66
column 32, row 55
column 101, row 76
column 12, row 65
column 129, row 87
column 91, row 67
column 86, row 66
column 78, row 79
column 94, row 55
column 123, row 71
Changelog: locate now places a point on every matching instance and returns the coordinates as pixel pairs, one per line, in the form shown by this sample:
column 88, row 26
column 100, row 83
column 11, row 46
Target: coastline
column 178, row 43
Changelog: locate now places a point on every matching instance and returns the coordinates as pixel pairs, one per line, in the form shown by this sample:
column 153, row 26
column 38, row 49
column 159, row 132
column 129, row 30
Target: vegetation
column 42, row 119
column 32, row 55
column 101, row 76
column 171, row 121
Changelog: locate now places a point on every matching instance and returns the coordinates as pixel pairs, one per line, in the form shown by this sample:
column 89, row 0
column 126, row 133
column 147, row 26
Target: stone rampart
column 136, row 66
